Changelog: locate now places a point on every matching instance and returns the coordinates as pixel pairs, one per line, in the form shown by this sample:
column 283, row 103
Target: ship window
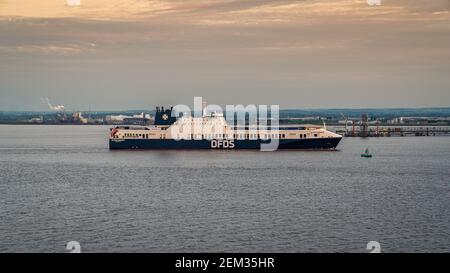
column 315, row 135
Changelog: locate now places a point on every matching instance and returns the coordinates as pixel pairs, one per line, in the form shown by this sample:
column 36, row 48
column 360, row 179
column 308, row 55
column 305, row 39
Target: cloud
column 96, row 10
column 342, row 49
column 216, row 12
column 49, row 50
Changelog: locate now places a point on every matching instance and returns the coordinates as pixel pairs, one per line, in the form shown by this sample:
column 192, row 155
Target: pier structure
column 392, row 131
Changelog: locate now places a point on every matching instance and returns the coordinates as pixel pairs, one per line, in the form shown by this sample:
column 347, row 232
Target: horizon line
column 281, row 109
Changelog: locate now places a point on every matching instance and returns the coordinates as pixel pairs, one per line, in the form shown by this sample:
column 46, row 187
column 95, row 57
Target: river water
column 62, row 183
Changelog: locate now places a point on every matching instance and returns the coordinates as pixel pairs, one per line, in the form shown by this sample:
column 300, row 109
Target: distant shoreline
column 431, row 116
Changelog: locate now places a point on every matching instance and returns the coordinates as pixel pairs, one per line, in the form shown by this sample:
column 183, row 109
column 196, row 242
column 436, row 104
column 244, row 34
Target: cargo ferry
column 211, row 131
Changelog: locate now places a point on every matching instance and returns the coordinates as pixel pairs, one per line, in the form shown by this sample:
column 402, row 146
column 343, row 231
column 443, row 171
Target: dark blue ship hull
column 307, row 144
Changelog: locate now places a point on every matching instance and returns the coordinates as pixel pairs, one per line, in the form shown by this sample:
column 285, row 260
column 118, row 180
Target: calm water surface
column 61, row 183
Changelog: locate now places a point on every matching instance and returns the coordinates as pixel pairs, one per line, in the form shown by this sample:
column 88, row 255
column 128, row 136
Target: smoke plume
column 58, row 108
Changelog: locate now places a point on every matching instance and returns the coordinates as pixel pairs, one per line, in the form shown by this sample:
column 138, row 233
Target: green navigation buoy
column 366, row 154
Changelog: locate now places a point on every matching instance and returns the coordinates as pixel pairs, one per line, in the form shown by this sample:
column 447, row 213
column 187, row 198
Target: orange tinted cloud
column 88, row 9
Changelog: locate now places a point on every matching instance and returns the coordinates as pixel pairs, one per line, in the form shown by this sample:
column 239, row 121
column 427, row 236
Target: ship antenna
column 324, row 125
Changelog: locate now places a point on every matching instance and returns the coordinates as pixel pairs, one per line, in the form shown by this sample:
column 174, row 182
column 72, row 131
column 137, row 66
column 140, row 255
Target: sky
column 136, row 54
